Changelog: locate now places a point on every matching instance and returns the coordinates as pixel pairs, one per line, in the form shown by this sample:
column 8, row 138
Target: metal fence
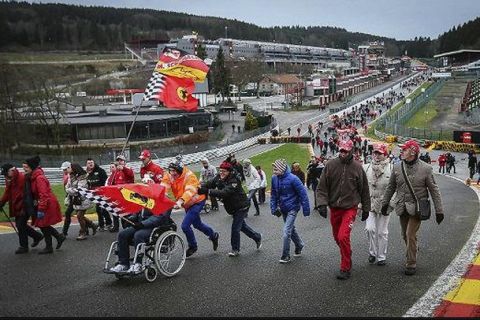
column 394, row 122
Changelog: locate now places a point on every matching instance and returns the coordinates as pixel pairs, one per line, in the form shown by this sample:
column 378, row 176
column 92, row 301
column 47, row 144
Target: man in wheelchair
column 138, row 231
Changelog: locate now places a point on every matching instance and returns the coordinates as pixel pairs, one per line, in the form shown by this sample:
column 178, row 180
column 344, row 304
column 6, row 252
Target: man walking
column 96, row 177
column 207, row 173
column 288, row 193
column 252, row 181
column 421, row 179
column 343, row 185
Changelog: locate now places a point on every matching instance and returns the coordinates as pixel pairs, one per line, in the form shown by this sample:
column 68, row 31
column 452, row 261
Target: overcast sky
column 401, row 20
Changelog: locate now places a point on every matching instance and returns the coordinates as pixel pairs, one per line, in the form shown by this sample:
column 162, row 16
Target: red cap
column 226, row 166
column 380, row 147
column 145, row 154
column 345, row 145
column 411, row 144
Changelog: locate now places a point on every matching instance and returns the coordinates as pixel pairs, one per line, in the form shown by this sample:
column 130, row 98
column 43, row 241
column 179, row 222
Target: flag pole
column 131, row 128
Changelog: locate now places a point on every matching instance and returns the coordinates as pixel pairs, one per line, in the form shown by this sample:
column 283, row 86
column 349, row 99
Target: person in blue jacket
column 139, row 231
column 288, row 194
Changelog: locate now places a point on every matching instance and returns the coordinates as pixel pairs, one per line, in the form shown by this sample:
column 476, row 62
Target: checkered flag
column 102, row 201
column 154, row 87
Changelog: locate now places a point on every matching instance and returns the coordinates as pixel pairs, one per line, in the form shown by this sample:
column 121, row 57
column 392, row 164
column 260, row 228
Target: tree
column 221, row 76
column 201, row 53
column 251, row 122
column 247, row 71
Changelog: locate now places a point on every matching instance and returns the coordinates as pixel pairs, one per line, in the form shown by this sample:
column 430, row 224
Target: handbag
column 422, row 207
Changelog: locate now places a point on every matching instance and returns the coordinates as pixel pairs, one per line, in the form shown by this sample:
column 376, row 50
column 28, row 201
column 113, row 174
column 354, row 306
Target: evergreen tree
column 221, row 75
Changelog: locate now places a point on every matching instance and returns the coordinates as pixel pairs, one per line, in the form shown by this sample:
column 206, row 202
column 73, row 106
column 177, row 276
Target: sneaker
column 136, row 268
column 371, row 259
column 82, row 237
column 381, row 263
column 234, row 253
column 102, row 229
column 259, row 243
column 190, row 251
column 343, row 275
column 119, row 268
column 410, row 271
column 215, row 241
column 60, row 240
column 285, row 259
column 21, row 250
column 298, row 252
column 36, row 242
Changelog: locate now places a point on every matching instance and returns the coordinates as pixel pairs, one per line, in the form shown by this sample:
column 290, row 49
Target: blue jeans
column 290, row 233
column 125, row 237
column 239, row 224
column 192, row 217
column 252, row 196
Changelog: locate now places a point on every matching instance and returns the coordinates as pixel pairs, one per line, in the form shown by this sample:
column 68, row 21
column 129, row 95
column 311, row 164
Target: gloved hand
column 277, row 212
column 202, row 190
column 384, row 210
column 147, row 179
column 365, row 215
column 178, row 204
column 439, row 217
column 138, row 225
column 40, row 215
column 322, row 210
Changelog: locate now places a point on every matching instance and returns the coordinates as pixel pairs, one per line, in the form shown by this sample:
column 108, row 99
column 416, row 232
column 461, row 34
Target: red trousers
column 342, row 222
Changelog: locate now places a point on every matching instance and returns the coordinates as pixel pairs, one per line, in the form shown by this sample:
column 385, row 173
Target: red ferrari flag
column 132, row 197
column 180, row 64
column 177, row 93
column 173, row 92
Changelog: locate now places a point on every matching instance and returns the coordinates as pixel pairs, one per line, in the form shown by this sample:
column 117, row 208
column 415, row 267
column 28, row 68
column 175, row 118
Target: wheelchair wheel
column 151, row 274
column 169, row 253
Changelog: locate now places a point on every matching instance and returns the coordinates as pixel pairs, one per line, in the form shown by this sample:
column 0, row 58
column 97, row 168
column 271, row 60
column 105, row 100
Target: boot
column 60, row 238
column 37, row 241
column 21, row 250
column 48, row 244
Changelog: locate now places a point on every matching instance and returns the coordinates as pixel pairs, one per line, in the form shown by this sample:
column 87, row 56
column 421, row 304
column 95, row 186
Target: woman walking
column 78, row 179
column 40, row 200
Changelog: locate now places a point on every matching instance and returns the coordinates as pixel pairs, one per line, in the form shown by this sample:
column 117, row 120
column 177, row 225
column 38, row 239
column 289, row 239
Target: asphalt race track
column 70, row 282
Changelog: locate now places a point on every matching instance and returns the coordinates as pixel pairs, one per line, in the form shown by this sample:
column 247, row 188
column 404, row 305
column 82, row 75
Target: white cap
column 65, row 165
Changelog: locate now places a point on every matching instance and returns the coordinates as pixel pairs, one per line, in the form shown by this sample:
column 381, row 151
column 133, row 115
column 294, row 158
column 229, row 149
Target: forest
column 48, row 27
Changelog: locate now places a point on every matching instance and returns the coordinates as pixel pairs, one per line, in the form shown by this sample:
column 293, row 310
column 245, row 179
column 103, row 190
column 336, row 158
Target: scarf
column 378, row 168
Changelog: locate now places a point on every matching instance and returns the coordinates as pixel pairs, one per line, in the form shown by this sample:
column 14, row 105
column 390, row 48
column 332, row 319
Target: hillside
column 46, row 27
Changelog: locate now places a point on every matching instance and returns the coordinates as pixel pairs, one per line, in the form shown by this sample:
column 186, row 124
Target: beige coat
column 378, row 185
column 420, row 175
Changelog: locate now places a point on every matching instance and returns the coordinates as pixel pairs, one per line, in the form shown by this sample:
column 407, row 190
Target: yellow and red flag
column 180, row 64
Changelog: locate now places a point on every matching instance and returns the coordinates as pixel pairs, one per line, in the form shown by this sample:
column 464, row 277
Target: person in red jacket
column 14, row 183
column 150, row 171
column 124, row 171
column 442, row 161
column 40, row 201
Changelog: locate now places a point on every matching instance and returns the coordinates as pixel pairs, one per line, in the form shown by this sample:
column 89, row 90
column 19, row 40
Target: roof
column 284, row 78
column 451, row 53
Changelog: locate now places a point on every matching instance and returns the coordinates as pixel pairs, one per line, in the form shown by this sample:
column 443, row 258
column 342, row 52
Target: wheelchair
column 164, row 252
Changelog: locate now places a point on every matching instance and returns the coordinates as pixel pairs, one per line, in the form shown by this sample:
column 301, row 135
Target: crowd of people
column 347, row 185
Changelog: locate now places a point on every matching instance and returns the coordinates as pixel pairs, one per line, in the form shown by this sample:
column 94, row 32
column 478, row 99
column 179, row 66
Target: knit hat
column 5, row 168
column 280, row 165
column 226, row 166
column 33, row 163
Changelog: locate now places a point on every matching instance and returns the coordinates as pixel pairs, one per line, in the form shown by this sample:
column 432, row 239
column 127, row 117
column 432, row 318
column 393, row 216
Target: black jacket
column 230, row 191
column 96, row 178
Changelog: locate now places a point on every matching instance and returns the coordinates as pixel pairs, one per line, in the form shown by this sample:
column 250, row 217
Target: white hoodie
column 252, row 178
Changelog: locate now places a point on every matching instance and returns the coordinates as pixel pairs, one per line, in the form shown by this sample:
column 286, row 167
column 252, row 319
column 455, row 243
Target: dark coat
column 230, row 191
column 45, row 199
column 96, row 178
column 14, row 194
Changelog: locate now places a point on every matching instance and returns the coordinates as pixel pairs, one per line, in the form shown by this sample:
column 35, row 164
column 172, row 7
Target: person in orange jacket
column 184, row 185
